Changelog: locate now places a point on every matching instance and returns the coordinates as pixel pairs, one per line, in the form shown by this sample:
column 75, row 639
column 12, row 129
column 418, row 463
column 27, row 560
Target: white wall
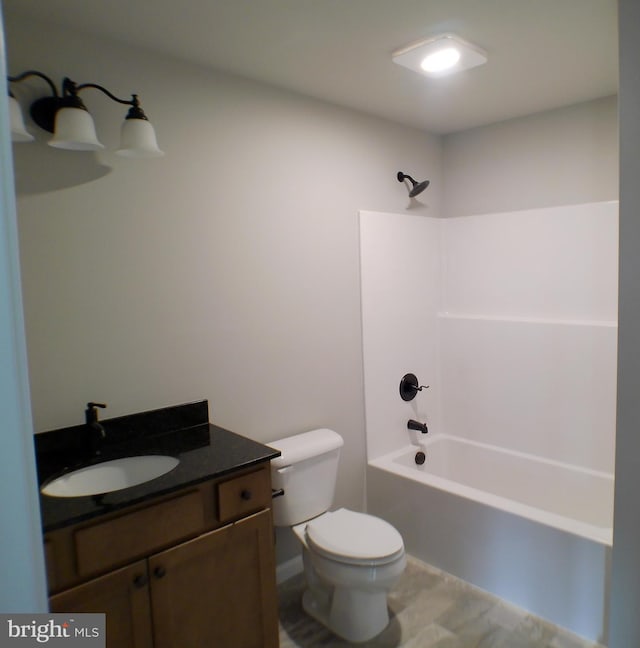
column 226, row 270
column 567, row 156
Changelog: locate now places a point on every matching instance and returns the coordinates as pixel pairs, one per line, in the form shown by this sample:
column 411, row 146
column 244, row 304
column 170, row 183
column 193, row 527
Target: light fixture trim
column 415, row 55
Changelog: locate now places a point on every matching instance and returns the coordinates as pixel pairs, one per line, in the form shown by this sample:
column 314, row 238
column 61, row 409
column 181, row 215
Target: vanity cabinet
column 233, row 564
column 195, row 568
column 123, row 596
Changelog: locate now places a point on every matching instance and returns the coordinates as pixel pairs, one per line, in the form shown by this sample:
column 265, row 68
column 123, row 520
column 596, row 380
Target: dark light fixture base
column 43, row 112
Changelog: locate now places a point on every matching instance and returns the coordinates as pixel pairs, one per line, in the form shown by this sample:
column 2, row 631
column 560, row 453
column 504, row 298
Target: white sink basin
column 110, row 476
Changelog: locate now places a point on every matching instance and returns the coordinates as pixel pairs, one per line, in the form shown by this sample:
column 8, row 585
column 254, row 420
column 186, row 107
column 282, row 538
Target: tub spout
column 416, row 425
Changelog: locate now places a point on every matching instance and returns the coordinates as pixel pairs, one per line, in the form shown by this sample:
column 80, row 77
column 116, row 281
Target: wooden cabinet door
column 218, row 590
column 123, row 595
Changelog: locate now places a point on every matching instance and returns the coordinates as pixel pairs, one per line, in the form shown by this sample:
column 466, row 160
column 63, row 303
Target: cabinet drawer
column 244, row 494
column 130, row 536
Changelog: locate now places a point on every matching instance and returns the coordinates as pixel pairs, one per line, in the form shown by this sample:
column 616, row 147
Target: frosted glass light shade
column 138, row 139
column 75, row 131
column 18, row 131
column 445, row 48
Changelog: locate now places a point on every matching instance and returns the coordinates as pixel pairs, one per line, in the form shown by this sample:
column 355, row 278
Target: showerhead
column 418, row 187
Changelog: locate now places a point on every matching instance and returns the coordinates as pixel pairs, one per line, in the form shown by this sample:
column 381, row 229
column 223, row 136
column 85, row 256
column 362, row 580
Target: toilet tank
column 306, row 471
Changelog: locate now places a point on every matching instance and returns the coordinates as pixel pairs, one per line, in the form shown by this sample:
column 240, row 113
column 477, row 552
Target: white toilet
column 351, row 560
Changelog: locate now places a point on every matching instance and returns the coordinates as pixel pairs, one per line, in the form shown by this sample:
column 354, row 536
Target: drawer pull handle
column 159, row 572
column 140, row 581
column 246, row 495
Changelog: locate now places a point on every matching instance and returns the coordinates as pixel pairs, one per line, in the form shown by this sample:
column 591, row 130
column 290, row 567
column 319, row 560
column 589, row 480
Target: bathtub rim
column 601, row 535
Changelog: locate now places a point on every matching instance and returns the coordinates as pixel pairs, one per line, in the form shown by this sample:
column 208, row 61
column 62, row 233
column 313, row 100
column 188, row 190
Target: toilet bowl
column 351, row 560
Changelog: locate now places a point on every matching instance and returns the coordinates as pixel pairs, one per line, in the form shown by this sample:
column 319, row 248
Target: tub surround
column 510, row 317
column 206, row 451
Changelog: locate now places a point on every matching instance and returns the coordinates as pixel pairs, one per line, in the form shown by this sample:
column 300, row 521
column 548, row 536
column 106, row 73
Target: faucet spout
column 416, row 425
column 96, row 429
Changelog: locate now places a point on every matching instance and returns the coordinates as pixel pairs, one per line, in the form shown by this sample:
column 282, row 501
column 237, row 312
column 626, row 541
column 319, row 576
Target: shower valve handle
column 409, row 387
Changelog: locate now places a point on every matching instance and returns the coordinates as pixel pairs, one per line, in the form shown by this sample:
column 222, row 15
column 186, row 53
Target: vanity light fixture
column 439, row 56
column 65, row 115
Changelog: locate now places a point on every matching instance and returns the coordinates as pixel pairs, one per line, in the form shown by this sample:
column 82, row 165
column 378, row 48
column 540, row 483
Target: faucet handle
column 91, row 413
column 97, row 433
column 409, row 387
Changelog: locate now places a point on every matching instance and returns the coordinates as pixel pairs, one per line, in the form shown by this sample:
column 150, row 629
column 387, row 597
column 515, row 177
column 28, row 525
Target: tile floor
column 430, row 609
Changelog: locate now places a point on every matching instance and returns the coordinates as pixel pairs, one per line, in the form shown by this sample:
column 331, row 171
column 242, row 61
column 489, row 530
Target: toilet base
column 351, row 614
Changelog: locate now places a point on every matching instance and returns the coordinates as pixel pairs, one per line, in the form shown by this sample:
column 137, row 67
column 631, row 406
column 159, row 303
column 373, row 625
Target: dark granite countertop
column 205, row 451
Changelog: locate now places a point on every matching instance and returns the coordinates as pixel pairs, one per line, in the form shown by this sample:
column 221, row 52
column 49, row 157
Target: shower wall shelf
column 527, row 320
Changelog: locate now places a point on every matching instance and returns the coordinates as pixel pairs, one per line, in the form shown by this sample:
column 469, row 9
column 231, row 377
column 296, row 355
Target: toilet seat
column 354, row 538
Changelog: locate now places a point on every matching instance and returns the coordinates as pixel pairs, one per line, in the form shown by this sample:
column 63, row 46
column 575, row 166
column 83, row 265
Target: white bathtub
column 532, row 531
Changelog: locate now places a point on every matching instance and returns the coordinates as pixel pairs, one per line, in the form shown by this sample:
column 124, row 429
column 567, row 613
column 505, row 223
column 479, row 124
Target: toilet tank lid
column 303, row 446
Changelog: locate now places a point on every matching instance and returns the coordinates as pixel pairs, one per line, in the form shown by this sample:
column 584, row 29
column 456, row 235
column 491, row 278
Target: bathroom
column 180, row 273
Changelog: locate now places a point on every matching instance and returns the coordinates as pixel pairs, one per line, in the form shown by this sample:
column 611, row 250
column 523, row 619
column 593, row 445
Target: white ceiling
column 542, row 53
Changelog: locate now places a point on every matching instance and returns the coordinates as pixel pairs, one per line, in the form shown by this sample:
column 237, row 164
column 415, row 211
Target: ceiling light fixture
column 440, row 55
column 441, row 60
column 65, row 115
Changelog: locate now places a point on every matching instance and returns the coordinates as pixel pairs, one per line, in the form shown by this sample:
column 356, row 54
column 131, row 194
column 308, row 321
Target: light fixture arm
column 82, row 86
column 32, row 73
column 135, row 111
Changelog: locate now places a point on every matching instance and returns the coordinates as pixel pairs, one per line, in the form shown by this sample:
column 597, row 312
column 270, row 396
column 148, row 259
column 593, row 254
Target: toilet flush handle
column 279, row 492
